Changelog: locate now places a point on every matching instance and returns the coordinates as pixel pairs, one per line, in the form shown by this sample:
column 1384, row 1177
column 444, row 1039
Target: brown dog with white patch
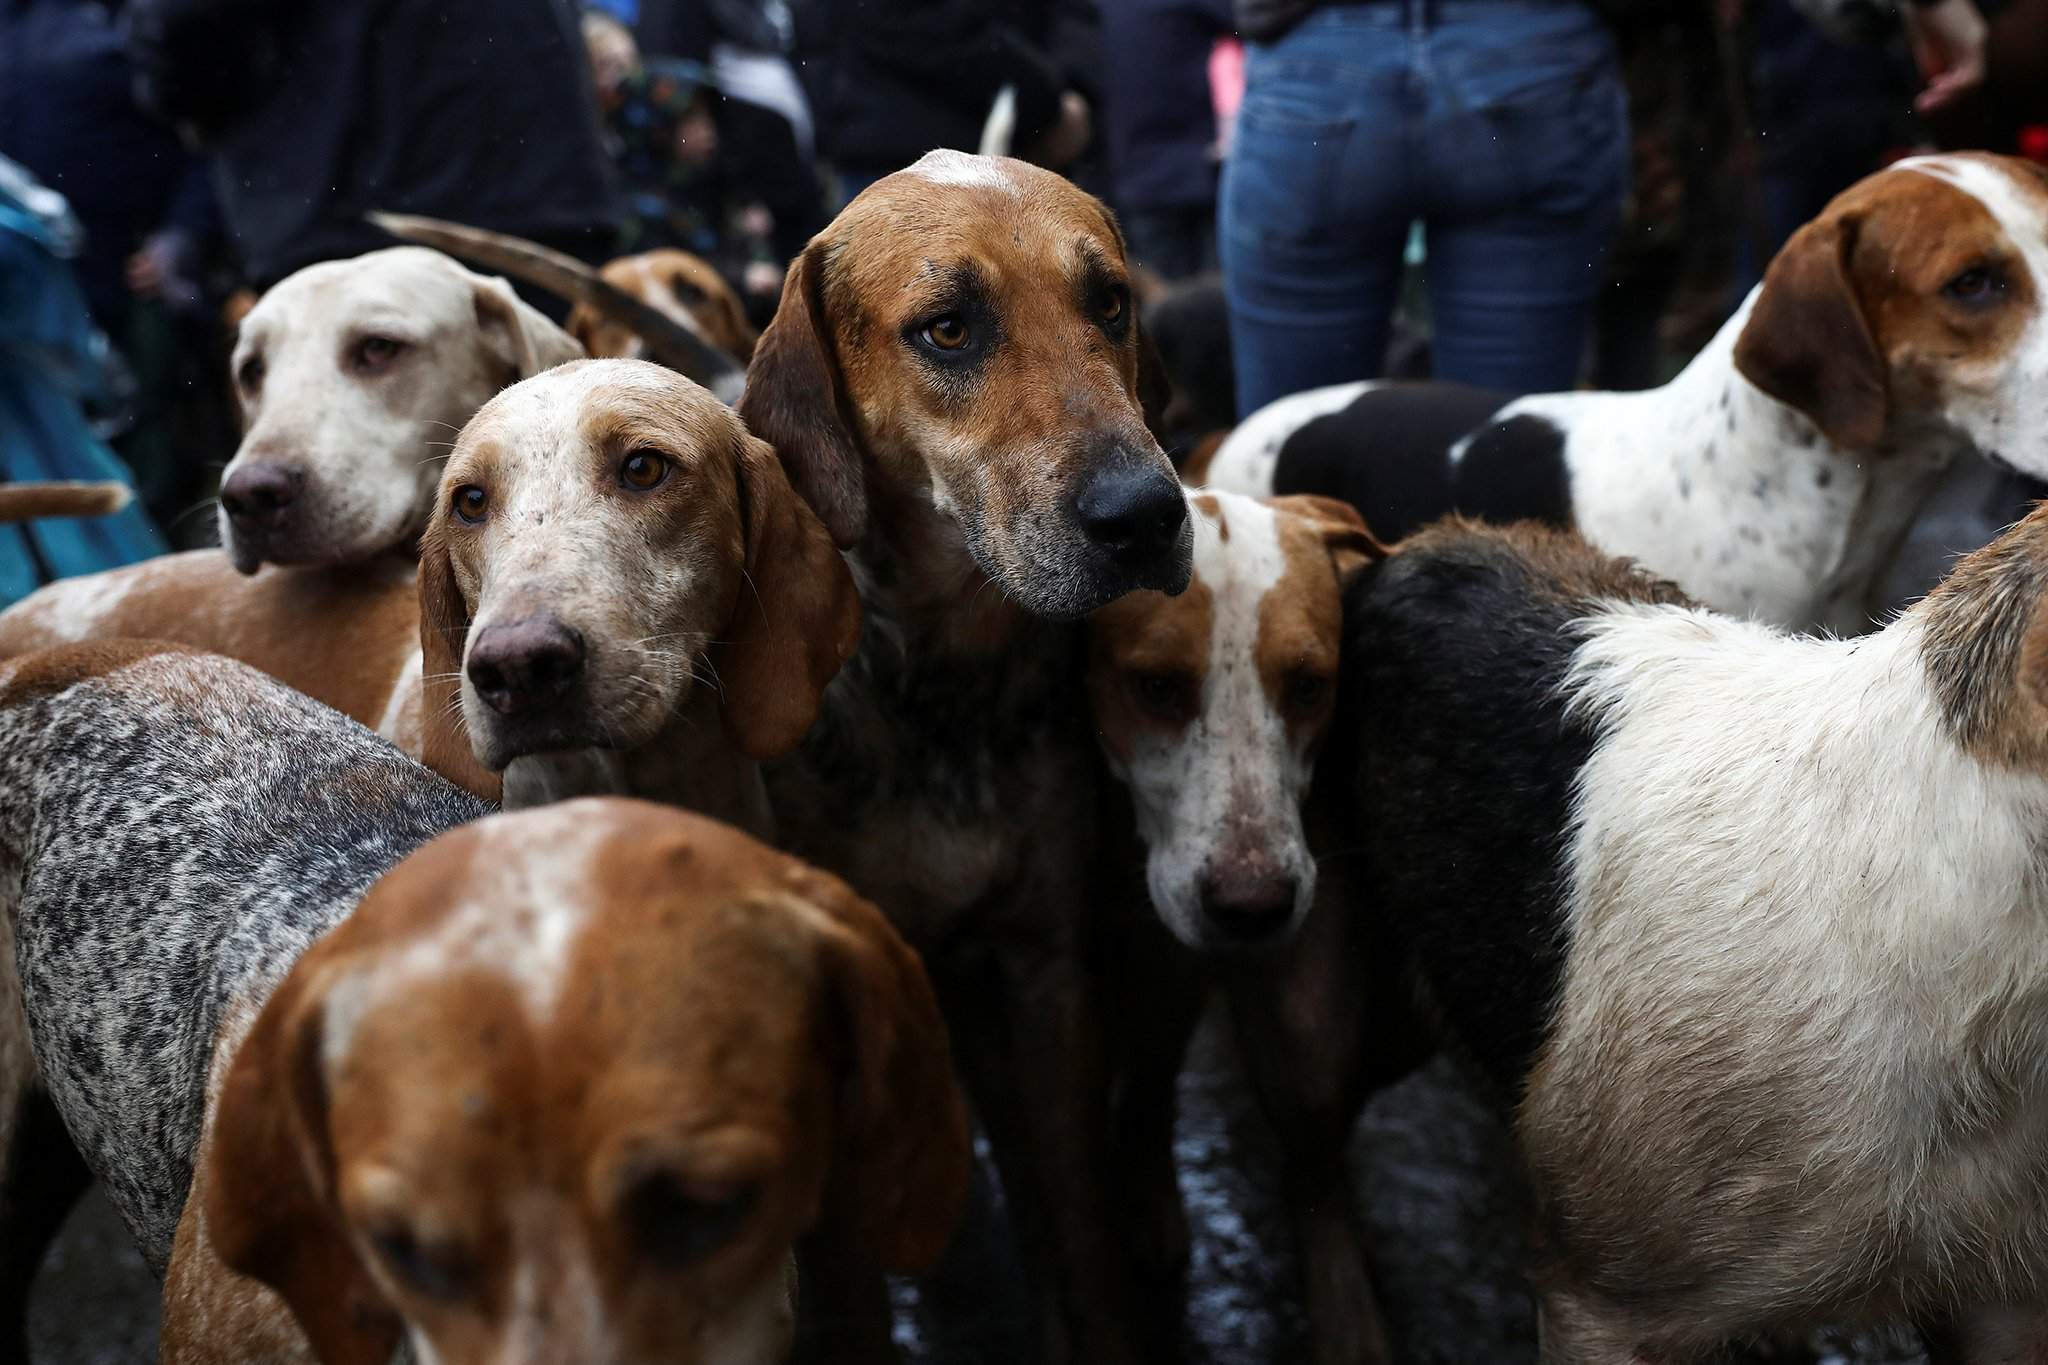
column 685, row 288
column 569, row 1085
column 952, row 380
column 607, row 537
column 563, row 1085
column 1212, row 707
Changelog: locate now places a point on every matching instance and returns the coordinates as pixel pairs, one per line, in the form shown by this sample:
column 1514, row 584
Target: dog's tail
column 27, row 501
column 667, row 341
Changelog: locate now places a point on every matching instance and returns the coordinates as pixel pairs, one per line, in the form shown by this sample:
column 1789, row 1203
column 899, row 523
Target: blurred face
column 563, row 1142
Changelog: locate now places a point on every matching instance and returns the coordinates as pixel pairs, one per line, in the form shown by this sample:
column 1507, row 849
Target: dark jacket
column 1158, row 120
column 68, row 113
column 319, row 113
column 890, row 81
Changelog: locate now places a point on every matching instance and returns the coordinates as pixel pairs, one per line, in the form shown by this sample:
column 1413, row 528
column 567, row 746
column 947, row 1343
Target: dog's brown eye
column 374, row 353
column 1113, row 307
column 643, row 469
column 440, row 1274
column 948, row 333
column 1305, row 690
column 470, row 503
column 1979, row 284
column 682, row 1221
column 1164, row 696
column 250, row 376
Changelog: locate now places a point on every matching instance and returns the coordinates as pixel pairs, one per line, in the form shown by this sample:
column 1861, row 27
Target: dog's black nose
column 1133, row 511
column 517, row 665
column 259, row 495
column 1248, row 908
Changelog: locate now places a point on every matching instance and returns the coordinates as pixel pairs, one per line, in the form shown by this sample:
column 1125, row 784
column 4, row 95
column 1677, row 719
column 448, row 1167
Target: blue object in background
column 50, row 362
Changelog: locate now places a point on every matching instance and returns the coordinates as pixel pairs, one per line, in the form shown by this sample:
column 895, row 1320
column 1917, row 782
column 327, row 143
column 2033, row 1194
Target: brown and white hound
column 352, row 377
column 619, row 591
column 1904, row 328
column 952, row 380
column 1213, row 708
column 562, row 1085
column 684, row 288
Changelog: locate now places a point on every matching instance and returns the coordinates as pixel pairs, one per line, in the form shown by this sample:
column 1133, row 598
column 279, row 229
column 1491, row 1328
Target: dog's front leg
column 2005, row 1335
column 1029, row 1046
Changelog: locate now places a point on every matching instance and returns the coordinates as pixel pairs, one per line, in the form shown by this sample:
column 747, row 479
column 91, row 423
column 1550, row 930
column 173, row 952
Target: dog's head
column 685, row 288
column 1211, row 706
column 964, row 333
column 609, row 537
column 1913, row 305
column 569, row 1085
column 353, row 378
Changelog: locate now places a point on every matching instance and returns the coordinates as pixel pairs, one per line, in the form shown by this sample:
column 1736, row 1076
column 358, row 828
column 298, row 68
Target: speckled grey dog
column 175, row 829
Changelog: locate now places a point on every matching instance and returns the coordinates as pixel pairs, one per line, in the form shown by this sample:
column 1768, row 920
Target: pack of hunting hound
column 570, row 877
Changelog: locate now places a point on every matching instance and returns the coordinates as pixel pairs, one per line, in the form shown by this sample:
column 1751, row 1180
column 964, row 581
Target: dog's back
column 179, row 828
column 1455, row 650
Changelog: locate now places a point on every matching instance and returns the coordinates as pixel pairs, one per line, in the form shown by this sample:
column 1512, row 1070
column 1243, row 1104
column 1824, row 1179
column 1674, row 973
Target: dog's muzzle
column 1135, row 517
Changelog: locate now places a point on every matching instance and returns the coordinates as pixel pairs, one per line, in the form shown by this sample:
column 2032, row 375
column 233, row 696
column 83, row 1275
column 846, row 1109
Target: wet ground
column 1429, row 1159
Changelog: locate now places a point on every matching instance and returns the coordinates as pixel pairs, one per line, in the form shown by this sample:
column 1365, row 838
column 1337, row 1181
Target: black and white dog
column 1776, row 475
column 1750, row 928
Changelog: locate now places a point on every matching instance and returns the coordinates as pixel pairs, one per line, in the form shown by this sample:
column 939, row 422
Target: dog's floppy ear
column 583, row 326
column 517, row 334
column 798, row 616
column 904, row 1154
column 269, row 1193
column 793, row 403
column 1807, row 342
column 728, row 327
column 444, row 627
column 1155, row 388
column 1351, row 544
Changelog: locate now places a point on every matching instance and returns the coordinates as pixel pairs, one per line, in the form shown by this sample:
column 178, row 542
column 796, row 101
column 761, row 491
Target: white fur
column 557, row 540
column 1230, row 784
column 963, row 169
column 1244, row 463
column 1781, row 855
column 369, row 446
column 73, row 608
column 516, row 919
column 2002, row 402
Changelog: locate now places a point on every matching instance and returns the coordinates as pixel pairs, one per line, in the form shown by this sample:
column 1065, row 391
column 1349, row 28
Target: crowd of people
column 1515, row 194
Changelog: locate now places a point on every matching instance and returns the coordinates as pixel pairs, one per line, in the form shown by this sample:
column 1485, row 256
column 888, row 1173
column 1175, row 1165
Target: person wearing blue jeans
column 1500, row 125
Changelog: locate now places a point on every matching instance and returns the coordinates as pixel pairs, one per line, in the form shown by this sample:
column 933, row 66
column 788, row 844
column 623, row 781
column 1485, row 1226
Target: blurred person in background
column 317, row 114
column 711, row 136
column 52, row 359
column 1159, row 129
column 1500, row 125
column 889, row 82
column 150, row 260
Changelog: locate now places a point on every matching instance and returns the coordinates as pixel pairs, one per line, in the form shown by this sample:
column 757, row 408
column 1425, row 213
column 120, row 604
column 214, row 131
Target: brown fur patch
column 365, row 619
column 729, row 1022
column 1560, row 562
column 667, row 281
column 1853, row 327
column 1986, row 646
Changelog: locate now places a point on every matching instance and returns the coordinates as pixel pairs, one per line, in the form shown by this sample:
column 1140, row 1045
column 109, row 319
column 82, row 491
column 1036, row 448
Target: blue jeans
column 1501, row 125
